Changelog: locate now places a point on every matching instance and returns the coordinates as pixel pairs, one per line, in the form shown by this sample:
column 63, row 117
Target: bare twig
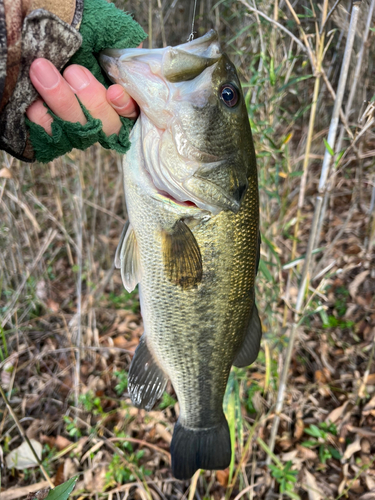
column 329, row 15
column 272, row 21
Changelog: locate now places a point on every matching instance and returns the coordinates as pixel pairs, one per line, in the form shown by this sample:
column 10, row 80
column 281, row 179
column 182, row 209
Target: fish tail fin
column 194, row 449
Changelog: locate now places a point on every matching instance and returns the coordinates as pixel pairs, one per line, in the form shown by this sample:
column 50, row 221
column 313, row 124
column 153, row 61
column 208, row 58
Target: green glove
column 103, row 26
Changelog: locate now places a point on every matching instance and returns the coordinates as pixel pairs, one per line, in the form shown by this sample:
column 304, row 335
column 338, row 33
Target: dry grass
column 68, row 329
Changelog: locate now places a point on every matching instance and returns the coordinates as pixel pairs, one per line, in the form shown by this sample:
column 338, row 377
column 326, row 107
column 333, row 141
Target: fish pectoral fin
column 258, row 253
column 146, row 381
column 119, row 246
column 127, row 258
column 181, row 256
column 249, row 350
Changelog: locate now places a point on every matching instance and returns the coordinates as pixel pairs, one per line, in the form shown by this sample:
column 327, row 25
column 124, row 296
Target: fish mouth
column 176, row 64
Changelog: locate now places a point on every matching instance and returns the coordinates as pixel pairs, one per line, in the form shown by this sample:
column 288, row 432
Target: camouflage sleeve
column 31, row 29
column 56, row 30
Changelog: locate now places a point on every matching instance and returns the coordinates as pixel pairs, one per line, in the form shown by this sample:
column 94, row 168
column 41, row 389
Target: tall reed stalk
column 305, row 278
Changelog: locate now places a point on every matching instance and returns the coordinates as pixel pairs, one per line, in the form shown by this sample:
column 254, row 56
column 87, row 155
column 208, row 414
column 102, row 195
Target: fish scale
column 195, row 262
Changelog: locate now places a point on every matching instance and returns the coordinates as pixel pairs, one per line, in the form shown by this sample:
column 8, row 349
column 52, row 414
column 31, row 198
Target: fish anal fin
column 249, row 350
column 127, row 258
column 146, row 380
column 181, row 256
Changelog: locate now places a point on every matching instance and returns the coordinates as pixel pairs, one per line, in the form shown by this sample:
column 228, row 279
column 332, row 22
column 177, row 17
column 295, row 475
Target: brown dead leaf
column 322, row 379
column 322, row 376
column 95, row 478
column 369, row 407
column 336, row 413
column 60, row 476
column 34, row 429
column 53, row 305
column 357, row 282
column 122, row 343
column 370, row 379
column 306, row 453
column 311, row 487
column 222, row 476
column 370, row 483
column 370, row 495
column 162, row 432
column 299, row 429
column 366, row 446
column 70, row 468
column 39, row 495
column 62, row 442
column 352, row 448
column 5, row 173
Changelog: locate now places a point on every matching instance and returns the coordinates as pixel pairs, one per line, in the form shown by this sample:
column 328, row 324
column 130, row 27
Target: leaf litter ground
column 65, row 349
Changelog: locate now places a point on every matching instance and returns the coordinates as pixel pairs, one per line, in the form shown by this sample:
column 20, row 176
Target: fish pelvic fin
column 146, row 380
column 194, row 449
column 127, row 258
column 181, row 256
column 249, row 350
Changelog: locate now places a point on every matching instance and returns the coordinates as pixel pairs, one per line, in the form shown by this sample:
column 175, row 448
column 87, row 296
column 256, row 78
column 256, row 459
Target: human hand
column 58, row 92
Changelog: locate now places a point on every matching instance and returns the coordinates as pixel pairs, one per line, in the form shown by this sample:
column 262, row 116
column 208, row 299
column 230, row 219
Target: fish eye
column 229, row 95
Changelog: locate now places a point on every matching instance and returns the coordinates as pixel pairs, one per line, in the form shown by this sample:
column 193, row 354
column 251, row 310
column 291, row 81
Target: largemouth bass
column 192, row 242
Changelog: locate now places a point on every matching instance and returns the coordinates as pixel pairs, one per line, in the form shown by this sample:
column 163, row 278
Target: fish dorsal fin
column 181, row 256
column 127, row 258
column 146, row 381
column 249, row 350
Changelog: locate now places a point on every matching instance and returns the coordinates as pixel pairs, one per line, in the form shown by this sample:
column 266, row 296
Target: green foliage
column 167, row 401
column 118, row 473
column 91, row 403
column 71, row 427
column 121, row 471
column 252, row 390
column 125, row 300
column 322, row 436
column 286, row 477
column 62, row 491
column 122, row 384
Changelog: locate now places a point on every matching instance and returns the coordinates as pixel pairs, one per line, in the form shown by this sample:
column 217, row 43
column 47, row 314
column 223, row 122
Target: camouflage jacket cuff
column 28, row 31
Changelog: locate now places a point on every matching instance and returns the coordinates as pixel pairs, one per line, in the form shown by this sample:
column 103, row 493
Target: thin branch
column 329, row 15
column 272, row 21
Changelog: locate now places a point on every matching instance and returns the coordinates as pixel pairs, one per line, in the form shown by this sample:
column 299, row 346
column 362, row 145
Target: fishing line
column 191, row 36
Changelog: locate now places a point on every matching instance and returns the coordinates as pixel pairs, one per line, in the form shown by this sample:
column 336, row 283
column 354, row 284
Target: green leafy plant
column 71, row 427
column 91, row 403
column 322, row 435
column 125, row 300
column 286, row 477
column 167, row 401
column 62, row 491
column 121, row 471
column 122, row 385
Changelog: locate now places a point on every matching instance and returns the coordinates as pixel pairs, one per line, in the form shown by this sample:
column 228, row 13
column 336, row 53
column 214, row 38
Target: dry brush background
column 303, row 416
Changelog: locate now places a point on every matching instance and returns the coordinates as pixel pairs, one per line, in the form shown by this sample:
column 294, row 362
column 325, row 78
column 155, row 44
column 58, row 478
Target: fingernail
column 120, row 100
column 77, row 78
column 46, row 73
